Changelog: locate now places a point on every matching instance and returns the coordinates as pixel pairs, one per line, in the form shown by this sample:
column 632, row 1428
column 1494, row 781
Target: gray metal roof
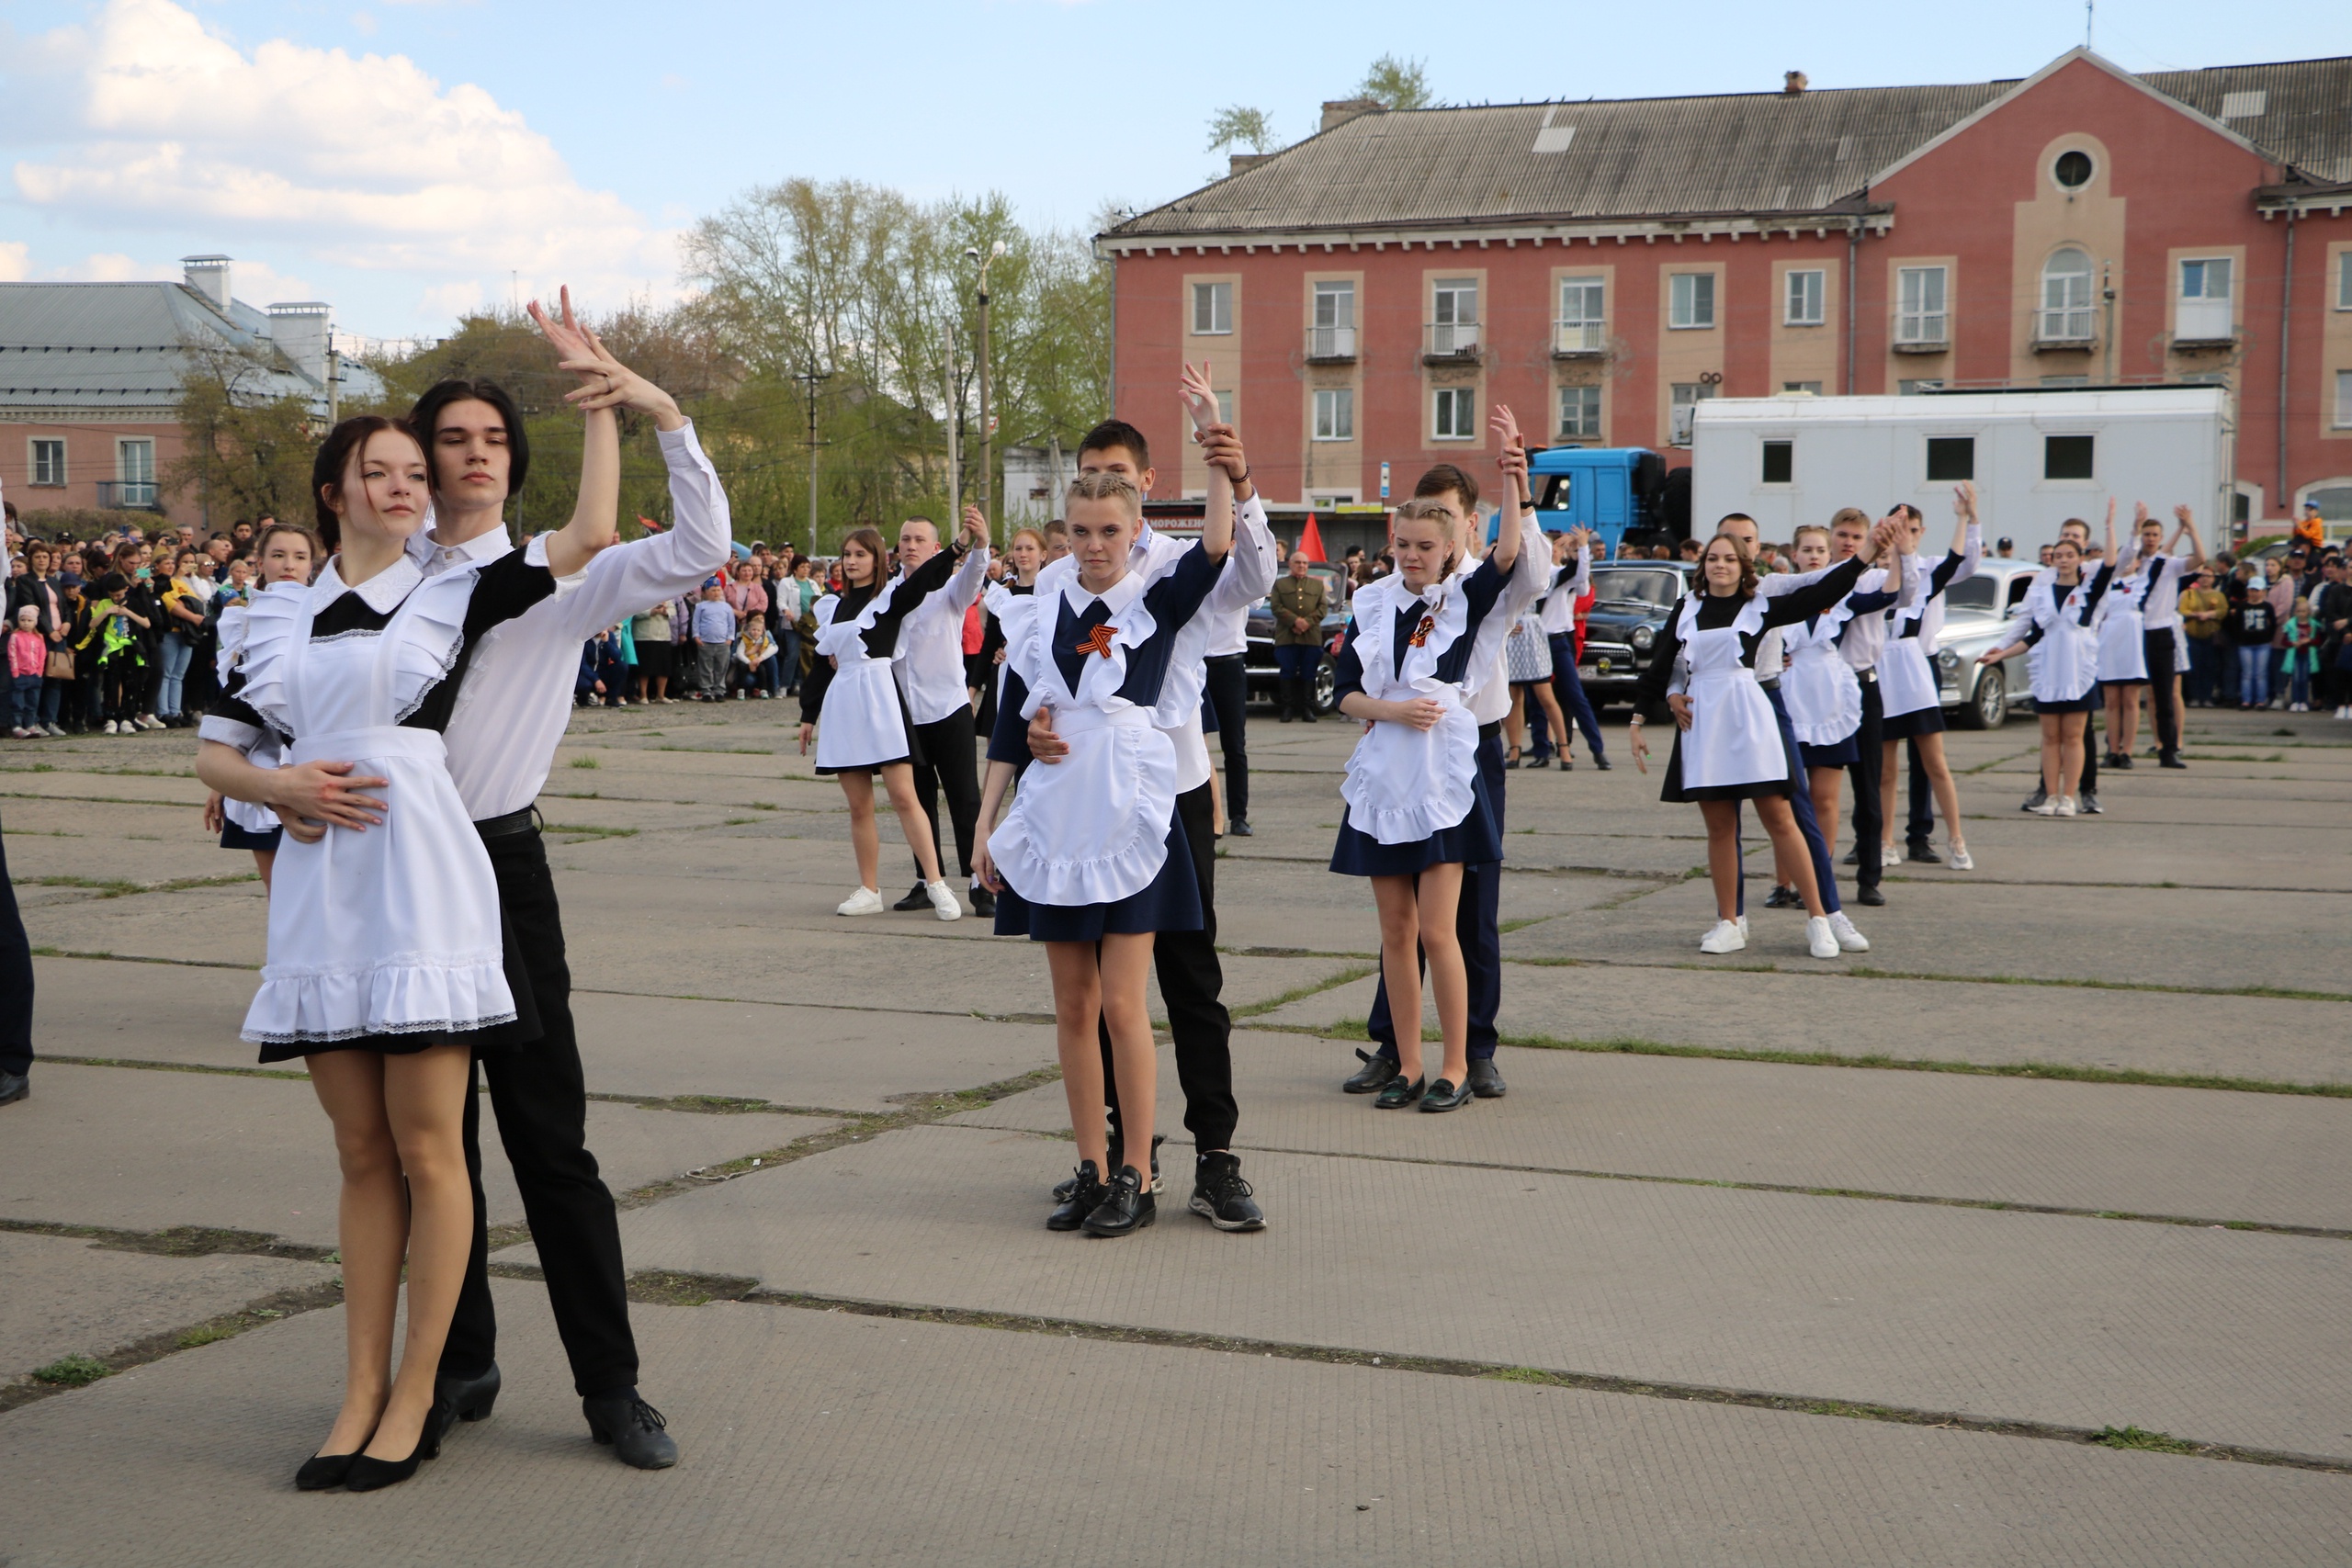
column 95, row 346
column 1755, row 153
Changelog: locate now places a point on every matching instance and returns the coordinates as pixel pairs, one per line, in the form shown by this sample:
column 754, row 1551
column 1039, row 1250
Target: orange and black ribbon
column 1097, row 641
column 1421, row 633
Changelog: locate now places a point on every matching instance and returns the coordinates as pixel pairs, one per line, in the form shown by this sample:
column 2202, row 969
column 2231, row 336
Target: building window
column 1455, row 414
column 1951, row 458
column 2073, row 170
column 2202, row 313
column 1691, row 303
column 1334, row 334
column 1804, row 302
column 1683, row 396
column 135, row 462
column 1812, row 389
column 2065, row 381
column 1920, row 305
column 1335, row 413
column 49, row 462
column 1583, row 326
column 2343, row 400
column 2344, row 282
column 2065, row 298
column 1780, row 462
column 1581, row 412
column 1923, row 384
column 1211, row 308
column 2066, row 457
column 1454, row 316
column 1225, row 408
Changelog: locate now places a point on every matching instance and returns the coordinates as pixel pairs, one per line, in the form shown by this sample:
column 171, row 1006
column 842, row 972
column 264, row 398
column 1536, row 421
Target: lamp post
column 813, row 377
column 987, row 432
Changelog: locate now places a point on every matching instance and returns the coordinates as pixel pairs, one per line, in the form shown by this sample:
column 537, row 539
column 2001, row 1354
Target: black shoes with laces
column 918, row 899
column 1118, row 1157
column 1125, row 1207
column 1221, row 1196
column 636, row 1430
column 1076, row 1199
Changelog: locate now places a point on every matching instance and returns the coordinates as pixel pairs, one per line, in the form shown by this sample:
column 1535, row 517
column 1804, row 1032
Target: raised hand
column 1505, row 425
column 573, row 345
column 975, row 528
column 1199, row 398
column 1964, row 501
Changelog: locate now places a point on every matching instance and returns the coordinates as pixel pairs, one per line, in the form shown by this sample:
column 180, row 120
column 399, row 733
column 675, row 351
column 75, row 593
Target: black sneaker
column 2040, row 796
column 1222, row 1198
column 2171, row 761
column 634, row 1428
column 1924, row 854
column 1783, row 898
column 1063, row 1189
column 1077, row 1198
column 918, row 899
column 1853, row 857
column 1240, row 827
column 983, row 901
column 1126, row 1208
column 2089, row 807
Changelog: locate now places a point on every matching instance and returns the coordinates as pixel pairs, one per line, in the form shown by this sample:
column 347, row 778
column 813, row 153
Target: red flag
column 1310, row 540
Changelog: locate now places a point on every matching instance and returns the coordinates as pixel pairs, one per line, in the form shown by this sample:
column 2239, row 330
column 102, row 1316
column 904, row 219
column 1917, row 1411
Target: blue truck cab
column 1611, row 489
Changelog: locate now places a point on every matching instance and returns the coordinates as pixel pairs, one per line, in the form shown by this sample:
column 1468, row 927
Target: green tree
column 249, row 434
column 1235, row 126
column 1397, row 84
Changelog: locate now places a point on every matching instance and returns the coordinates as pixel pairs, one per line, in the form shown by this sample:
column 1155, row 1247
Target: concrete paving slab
column 203, row 925
column 2266, row 1158
column 141, row 1149
column 82, row 819
column 2267, row 1039
column 145, row 862
column 159, row 781
column 2120, row 849
column 120, row 1011
column 813, row 1437
column 1990, row 1314
column 69, row 1297
column 2176, row 937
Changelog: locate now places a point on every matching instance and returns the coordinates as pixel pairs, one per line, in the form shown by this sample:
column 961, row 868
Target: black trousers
column 1477, row 926
column 1870, row 812
column 1191, row 983
column 947, row 766
column 1228, row 692
column 2156, row 646
column 541, row 1099
column 16, row 981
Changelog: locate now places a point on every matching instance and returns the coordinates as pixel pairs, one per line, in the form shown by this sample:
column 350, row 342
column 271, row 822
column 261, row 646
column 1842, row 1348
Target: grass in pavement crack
column 81, row 1371
column 1299, row 993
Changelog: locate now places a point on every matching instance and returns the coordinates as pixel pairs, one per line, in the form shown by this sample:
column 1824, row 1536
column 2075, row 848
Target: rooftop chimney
column 1245, row 161
column 1339, row 111
column 300, row 330
column 1793, row 84
column 208, row 275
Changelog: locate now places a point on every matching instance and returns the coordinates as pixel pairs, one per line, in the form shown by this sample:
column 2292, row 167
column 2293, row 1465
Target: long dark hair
column 426, row 416
column 870, row 541
column 1746, row 589
column 344, row 443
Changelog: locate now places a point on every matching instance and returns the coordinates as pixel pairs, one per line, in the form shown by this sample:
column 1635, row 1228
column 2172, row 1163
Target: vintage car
column 1974, row 611
column 1630, row 604
column 1258, row 656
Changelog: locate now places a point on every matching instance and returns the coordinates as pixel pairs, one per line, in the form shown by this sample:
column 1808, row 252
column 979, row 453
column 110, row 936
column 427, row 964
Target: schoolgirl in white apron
column 2121, row 625
column 1908, row 687
column 2057, row 621
column 283, row 552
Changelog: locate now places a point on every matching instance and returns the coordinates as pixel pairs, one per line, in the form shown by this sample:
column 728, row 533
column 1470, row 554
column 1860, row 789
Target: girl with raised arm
column 1908, row 686
column 2057, row 620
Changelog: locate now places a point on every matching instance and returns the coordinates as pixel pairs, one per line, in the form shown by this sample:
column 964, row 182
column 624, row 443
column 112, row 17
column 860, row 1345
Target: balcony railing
column 2072, row 327
column 2203, row 321
column 1452, row 340
column 1330, row 342
column 1573, row 340
column 1922, row 332
column 129, row 495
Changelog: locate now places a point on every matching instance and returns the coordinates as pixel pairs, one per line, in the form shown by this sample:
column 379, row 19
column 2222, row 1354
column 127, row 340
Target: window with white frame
column 1580, row 414
column 1454, row 413
column 2344, row 282
column 135, row 462
column 1690, row 300
column 1919, row 306
column 2343, row 400
column 1584, row 316
column 48, row 462
column 1224, row 407
column 2202, row 313
column 1333, row 336
column 1682, row 397
column 2066, row 315
column 1453, row 315
column 1335, row 413
column 1807, row 288
column 1211, row 308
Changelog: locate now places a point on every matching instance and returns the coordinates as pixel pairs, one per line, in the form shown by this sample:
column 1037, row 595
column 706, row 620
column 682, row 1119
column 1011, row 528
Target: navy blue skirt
column 1172, row 903
column 1473, row 840
column 235, row 837
column 2088, row 703
column 1837, row 754
column 1903, row 725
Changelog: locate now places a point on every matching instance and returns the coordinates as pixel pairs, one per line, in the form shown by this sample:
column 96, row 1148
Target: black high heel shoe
column 370, row 1474
column 323, row 1472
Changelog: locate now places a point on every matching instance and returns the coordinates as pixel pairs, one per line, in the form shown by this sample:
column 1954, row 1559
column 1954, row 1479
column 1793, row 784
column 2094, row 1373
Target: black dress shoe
column 1567, row 764
column 983, row 901
column 1062, row 1189
column 637, row 1431
column 1307, row 713
column 1444, row 1095
column 323, row 1472
column 1399, row 1094
column 369, row 1474
column 2121, row 759
column 1783, row 898
column 1222, row 1198
column 1079, row 1196
column 2170, row 761
column 465, row 1399
column 918, row 899
column 1486, row 1080
column 1543, row 761
column 1870, row 896
column 14, row 1087
column 1853, row 857
column 1240, row 827
column 1923, row 854
column 1602, row 762
column 1125, row 1207
column 1374, row 1075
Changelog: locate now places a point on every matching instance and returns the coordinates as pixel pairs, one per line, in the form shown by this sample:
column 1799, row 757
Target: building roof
column 97, row 346
column 1745, row 153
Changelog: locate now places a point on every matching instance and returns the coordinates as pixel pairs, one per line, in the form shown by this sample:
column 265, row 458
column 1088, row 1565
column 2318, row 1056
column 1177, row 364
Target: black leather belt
column 1770, row 682
column 1867, row 677
column 1489, row 731
column 507, row 826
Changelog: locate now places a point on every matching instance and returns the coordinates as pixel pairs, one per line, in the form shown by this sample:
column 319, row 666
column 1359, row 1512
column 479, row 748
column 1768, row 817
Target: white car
column 1974, row 611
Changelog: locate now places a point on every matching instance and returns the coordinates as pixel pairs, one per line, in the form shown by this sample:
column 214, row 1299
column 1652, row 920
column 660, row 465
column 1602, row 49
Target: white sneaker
column 1743, row 925
column 1727, row 937
column 113, row 728
column 2053, row 806
column 1958, row 857
column 1851, row 940
column 2065, row 807
column 149, row 721
column 1820, row 938
column 864, row 901
column 943, row 898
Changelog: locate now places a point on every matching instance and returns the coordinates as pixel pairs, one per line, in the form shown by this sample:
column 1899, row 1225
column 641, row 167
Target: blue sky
column 405, row 159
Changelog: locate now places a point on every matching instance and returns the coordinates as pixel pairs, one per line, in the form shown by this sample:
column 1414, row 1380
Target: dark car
column 1631, row 600
column 1258, row 657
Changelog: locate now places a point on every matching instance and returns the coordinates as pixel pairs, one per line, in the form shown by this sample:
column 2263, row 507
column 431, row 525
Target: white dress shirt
column 517, row 697
column 1558, row 607
column 929, row 659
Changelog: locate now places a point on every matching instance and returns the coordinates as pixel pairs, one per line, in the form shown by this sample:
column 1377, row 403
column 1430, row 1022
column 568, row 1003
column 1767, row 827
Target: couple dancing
column 418, row 688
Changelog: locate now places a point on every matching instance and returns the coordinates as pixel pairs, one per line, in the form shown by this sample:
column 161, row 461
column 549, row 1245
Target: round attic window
column 2073, row 170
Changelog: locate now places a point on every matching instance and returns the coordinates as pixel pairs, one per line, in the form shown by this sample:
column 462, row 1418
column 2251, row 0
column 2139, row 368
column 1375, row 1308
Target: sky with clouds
column 405, row 159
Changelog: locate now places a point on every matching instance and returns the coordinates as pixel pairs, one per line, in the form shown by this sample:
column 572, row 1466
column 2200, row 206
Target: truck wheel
column 1327, row 685
column 1988, row 707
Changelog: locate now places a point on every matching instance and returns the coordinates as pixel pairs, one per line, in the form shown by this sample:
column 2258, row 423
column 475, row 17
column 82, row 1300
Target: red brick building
column 1364, row 294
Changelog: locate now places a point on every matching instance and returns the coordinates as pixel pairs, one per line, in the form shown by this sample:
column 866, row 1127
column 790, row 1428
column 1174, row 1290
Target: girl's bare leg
column 1722, row 818
column 1551, row 705
column 371, row 1229
column 1780, row 820
column 1889, row 766
column 2053, row 752
column 1940, row 779
column 424, row 1101
column 1078, row 1003
column 1400, row 966
column 1827, row 788
column 1126, row 965
column 1515, row 721
column 1441, row 896
column 2073, row 733
column 865, row 838
column 898, row 778
column 264, row 860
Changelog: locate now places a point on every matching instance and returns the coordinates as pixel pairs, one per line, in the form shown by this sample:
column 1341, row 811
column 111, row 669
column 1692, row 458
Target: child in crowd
column 753, row 649
column 714, row 635
column 27, row 656
column 2300, row 638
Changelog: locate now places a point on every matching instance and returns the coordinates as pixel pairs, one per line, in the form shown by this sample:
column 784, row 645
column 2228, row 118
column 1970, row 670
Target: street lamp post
column 987, row 432
column 813, row 377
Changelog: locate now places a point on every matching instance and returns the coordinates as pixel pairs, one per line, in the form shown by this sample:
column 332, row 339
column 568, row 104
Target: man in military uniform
column 1300, row 603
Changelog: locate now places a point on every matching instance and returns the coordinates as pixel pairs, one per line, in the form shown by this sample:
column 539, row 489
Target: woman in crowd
column 1093, row 860
column 1907, row 673
column 1527, row 660
column 183, row 598
column 2253, row 628
column 850, row 705
column 1011, row 601
column 1728, row 743
column 1822, row 693
column 288, row 553
column 2057, row 621
column 1421, row 643
column 655, row 653
column 38, row 587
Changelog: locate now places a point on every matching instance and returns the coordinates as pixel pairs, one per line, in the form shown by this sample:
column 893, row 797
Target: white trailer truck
column 2037, row 459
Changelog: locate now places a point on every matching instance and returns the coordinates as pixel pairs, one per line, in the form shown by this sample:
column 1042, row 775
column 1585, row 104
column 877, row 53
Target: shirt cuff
column 229, row 732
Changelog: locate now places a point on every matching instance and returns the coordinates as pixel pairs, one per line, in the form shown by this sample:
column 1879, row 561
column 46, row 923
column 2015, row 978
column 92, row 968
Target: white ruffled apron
column 266, row 752
column 1107, row 805
column 1405, row 785
column 2123, row 656
column 392, row 930
column 1735, row 737
column 1823, row 695
column 1906, row 681
column 864, row 721
column 2063, row 664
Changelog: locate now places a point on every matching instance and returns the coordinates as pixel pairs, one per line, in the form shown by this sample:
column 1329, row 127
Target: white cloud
column 16, row 261
column 365, row 161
